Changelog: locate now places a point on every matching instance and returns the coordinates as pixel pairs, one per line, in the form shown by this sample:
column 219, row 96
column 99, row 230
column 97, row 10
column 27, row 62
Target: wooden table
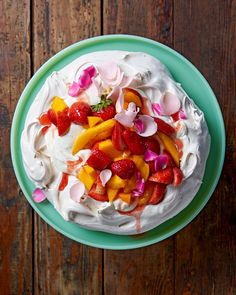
column 34, row 258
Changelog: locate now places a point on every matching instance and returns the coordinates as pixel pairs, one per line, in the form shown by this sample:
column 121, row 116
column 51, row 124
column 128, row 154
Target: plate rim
column 40, row 73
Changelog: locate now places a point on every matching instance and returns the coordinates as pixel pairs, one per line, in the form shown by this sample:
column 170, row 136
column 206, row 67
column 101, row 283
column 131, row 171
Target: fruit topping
column 52, row 116
column 126, row 197
column 112, row 194
column 163, row 176
column 104, row 109
column 79, row 112
column 164, row 127
column 107, row 147
column 178, row 176
column 98, row 160
column 131, row 95
column 116, row 182
column 58, row 104
column 157, row 194
column 93, row 120
column 98, row 192
column 134, row 142
column 123, row 168
column 88, row 176
column 63, row 122
column 117, row 138
column 152, row 144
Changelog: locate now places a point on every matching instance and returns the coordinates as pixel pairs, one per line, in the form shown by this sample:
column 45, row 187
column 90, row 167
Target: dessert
column 114, row 143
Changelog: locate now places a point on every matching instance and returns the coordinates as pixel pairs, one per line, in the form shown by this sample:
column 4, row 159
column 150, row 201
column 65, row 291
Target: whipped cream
column 45, row 156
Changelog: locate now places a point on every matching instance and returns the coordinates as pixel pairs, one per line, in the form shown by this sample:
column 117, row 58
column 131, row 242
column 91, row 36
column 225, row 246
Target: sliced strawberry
column 63, row 122
column 106, row 113
column 134, row 142
column 170, row 161
column 98, row 193
column 178, row 176
column 45, row 129
column 44, row 120
column 123, row 168
column 64, row 181
column 152, row 166
column 117, row 138
column 98, row 160
column 164, row 127
column 158, row 194
column 152, row 144
column 52, row 116
column 163, row 176
column 79, row 112
column 175, row 117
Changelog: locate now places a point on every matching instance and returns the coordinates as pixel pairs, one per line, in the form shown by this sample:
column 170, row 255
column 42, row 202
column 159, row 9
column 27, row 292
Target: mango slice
column 130, row 185
column 112, row 193
column 88, row 179
column 93, row 133
column 116, row 182
column 93, row 120
column 107, row 147
column 169, row 146
column 58, row 104
column 125, row 197
column 141, row 165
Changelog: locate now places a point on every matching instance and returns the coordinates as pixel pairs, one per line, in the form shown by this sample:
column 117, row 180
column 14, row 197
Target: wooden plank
column 61, row 265
column 16, row 214
column 148, row 270
column 206, row 250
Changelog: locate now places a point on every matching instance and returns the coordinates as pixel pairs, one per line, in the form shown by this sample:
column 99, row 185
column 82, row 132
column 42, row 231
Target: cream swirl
column 45, row 157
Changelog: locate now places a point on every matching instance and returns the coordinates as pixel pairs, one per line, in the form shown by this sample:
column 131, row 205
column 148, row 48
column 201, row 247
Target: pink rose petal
column 91, row 71
column 126, row 117
column 150, row 126
column 149, row 156
column 38, row 195
column 156, row 108
column 84, row 80
column 169, row 103
column 77, row 191
column 160, row 162
column 105, row 176
column 139, row 126
column 139, row 189
column 182, row 115
column 74, row 89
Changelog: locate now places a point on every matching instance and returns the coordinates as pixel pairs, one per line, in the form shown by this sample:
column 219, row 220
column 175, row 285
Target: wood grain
column 148, row 270
column 61, row 265
column 16, row 215
column 206, row 250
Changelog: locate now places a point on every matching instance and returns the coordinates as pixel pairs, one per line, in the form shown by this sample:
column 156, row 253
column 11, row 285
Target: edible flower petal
column 139, row 189
column 160, row 162
column 77, row 191
column 150, row 156
column 169, row 103
column 74, row 89
column 105, row 176
column 84, row 80
column 156, row 108
column 150, row 126
column 91, row 71
column 182, row 114
column 38, row 195
column 126, row 117
column 139, row 125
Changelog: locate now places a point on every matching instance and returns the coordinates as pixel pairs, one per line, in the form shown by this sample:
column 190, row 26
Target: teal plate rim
column 217, row 131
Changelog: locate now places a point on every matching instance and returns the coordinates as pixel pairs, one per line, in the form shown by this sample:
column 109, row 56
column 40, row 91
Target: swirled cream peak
column 46, row 156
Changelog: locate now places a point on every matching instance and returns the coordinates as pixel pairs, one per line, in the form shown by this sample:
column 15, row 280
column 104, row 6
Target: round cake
column 114, row 143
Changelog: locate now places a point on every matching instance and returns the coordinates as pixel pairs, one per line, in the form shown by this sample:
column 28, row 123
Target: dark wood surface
column 34, row 258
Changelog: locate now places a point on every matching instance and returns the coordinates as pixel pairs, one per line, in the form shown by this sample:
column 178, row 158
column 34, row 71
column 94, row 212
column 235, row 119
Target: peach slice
column 131, row 95
column 103, row 130
column 169, row 146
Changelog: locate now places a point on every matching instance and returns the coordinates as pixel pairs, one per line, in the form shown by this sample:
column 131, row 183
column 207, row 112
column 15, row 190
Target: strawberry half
column 152, row 144
column 98, row 160
column 134, row 142
column 98, row 193
column 158, row 194
column 164, row 127
column 52, row 116
column 79, row 112
column 104, row 109
column 63, row 122
column 123, row 168
column 117, row 139
column 163, row 176
column 178, row 176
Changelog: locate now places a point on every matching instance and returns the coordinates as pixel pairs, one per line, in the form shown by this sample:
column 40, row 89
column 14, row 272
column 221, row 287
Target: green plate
column 196, row 87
